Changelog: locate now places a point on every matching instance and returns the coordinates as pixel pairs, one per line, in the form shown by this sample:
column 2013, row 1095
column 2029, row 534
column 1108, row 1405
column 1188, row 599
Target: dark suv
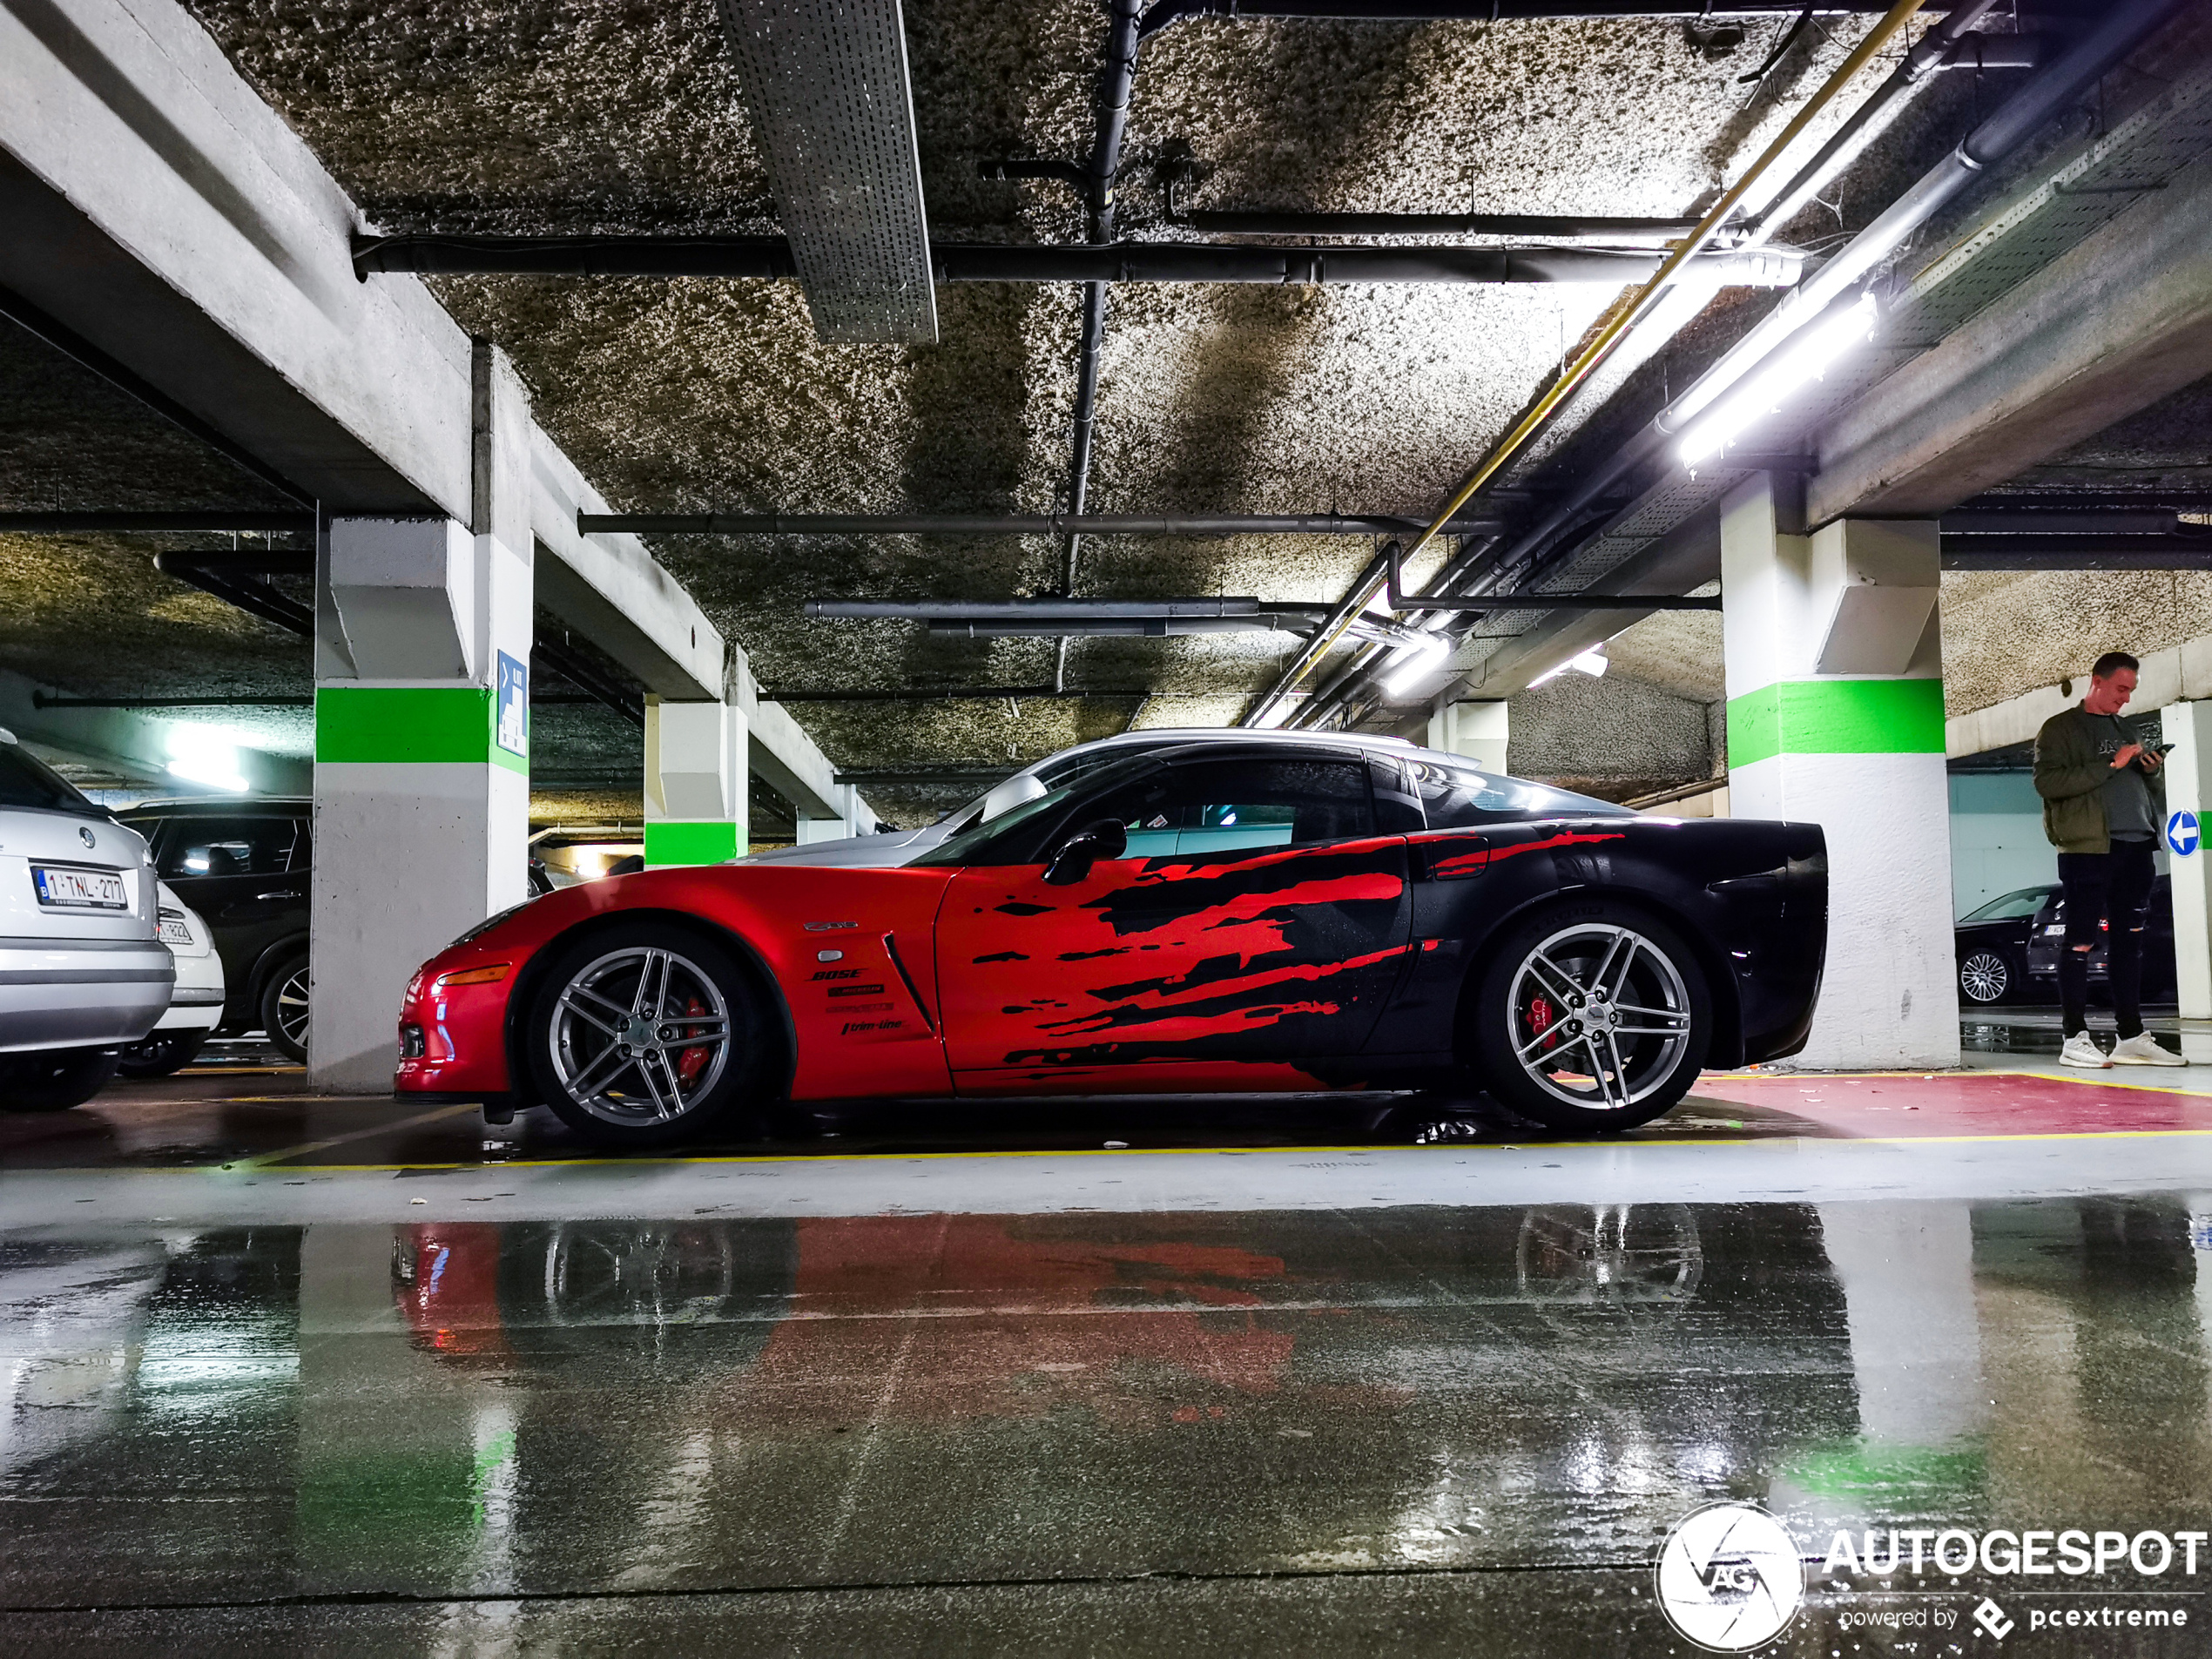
column 243, row 866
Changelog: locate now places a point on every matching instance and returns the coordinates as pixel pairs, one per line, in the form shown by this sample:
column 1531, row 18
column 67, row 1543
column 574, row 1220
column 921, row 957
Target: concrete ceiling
column 684, row 395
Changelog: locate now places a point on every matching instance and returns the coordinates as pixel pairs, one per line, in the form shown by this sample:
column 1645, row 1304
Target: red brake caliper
column 694, row 1060
column 1541, row 1019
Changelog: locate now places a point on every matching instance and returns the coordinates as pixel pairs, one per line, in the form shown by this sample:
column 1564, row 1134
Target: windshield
column 2016, row 906
column 961, row 849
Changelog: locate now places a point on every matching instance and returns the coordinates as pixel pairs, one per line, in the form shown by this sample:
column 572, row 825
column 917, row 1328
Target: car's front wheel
column 1984, row 976
column 1592, row 1015
column 646, row 1034
column 53, row 1080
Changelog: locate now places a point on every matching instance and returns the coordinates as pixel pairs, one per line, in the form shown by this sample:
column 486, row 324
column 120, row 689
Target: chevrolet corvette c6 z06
column 1192, row 917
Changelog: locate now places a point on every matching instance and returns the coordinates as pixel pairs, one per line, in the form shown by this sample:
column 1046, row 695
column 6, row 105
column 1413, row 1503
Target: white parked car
column 196, row 1001
column 82, row 971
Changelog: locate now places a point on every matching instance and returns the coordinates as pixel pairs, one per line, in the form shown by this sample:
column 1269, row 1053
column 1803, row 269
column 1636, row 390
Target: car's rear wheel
column 1984, row 976
column 1591, row 1016
column 284, row 1007
column 53, row 1080
column 161, row 1053
column 644, row 1034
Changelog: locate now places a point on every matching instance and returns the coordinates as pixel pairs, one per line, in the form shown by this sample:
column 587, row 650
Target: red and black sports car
column 1198, row 916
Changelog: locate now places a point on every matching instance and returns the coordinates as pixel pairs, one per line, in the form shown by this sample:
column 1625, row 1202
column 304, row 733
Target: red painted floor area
column 1883, row 1105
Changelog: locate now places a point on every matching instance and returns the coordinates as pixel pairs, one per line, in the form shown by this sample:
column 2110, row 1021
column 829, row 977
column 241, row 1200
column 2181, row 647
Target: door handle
column 276, row 895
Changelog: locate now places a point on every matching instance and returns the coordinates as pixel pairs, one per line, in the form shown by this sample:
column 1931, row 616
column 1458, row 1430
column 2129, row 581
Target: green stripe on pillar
column 695, row 843
column 1836, row 718
column 408, row 724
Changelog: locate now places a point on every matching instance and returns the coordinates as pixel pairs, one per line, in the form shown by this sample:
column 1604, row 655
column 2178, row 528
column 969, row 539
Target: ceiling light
column 1591, row 662
column 203, row 754
column 1808, row 357
column 1421, row 658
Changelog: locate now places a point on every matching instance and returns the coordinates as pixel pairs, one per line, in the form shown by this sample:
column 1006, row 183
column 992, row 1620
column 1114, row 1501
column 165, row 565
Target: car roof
column 217, row 804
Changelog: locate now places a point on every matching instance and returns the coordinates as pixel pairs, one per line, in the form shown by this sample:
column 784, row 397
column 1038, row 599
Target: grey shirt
column 2126, row 795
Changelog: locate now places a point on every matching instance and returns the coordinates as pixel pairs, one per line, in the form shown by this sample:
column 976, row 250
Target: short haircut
column 2111, row 662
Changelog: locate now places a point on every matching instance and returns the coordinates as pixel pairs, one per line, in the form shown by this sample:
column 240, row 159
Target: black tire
column 161, row 1053
column 1986, row 976
column 283, row 1007
column 53, row 1080
column 1529, row 989
column 633, row 1095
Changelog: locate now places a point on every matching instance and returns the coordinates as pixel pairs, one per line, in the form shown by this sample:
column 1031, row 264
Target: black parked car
column 2047, row 939
column 243, row 866
column 1993, row 946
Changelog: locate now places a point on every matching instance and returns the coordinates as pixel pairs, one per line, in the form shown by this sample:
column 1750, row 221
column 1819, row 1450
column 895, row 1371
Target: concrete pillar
column 422, row 647
column 1476, row 730
column 2188, row 782
column 695, row 782
column 847, row 821
column 1835, row 718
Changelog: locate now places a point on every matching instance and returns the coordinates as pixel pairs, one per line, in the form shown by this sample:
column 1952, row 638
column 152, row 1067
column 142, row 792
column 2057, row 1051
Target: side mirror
column 1022, row 787
column 1104, row 837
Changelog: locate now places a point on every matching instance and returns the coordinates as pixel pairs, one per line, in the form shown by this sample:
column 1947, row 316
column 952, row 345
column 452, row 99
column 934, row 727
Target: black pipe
column 755, row 257
column 1263, row 222
column 240, row 588
column 1194, row 524
column 189, row 523
column 587, row 676
column 1165, row 12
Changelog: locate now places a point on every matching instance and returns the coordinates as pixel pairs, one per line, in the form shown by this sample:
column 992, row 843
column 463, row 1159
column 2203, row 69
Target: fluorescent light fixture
column 1809, row 356
column 1591, row 662
column 202, row 754
column 1421, row 658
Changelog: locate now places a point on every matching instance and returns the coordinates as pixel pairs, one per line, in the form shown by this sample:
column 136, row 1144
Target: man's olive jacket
column 2070, row 775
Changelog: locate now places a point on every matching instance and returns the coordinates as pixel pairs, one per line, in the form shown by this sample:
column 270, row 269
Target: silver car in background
column 83, row 969
column 903, row 846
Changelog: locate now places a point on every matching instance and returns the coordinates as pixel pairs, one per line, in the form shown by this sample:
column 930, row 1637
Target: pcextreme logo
column 1729, row 1578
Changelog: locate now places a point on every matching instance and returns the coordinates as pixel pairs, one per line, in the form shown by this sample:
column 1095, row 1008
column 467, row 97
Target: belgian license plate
column 174, row 932
column 80, row 889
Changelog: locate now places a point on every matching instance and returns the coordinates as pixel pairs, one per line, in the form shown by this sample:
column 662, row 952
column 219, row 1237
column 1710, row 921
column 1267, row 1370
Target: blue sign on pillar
column 514, row 705
column 2182, row 833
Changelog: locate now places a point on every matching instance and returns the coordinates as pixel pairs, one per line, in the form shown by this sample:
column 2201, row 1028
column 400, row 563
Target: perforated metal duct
column 826, row 83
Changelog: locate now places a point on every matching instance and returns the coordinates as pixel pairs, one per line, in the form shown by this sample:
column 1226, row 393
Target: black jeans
column 2101, row 885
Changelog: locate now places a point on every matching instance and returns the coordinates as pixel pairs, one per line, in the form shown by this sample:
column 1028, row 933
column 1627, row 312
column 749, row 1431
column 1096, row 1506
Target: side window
column 1221, row 806
column 1457, row 797
column 1398, row 805
column 212, row 845
column 303, row 843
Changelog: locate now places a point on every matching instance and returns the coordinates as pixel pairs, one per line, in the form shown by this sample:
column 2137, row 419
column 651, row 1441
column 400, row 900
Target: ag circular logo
column 2182, row 833
column 1729, row 1577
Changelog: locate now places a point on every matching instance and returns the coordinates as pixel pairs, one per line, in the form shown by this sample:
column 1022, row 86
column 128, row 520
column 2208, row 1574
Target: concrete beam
column 134, row 744
column 613, row 592
column 787, row 757
column 2106, row 330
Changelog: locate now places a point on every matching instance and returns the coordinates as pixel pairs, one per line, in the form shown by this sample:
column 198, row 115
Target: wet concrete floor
column 279, row 1374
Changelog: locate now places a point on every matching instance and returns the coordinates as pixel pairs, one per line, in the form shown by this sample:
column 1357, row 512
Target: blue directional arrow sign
column 2182, row 833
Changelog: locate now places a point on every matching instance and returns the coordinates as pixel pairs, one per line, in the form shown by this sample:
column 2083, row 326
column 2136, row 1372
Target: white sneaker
column 2142, row 1049
column 2083, row 1051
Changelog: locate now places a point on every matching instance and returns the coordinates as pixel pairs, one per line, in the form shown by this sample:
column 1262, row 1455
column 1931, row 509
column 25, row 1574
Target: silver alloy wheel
column 639, row 1035
column 1984, row 976
column 291, row 1008
column 1598, row 1015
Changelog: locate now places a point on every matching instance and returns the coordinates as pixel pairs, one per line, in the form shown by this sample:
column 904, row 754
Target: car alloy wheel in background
column 1984, row 976
column 284, row 1008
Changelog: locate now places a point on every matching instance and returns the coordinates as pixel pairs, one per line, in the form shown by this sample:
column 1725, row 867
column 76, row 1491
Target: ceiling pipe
column 1103, row 618
column 1608, row 233
column 1624, row 319
column 762, row 257
column 1164, row 12
column 1195, row 524
column 2049, row 94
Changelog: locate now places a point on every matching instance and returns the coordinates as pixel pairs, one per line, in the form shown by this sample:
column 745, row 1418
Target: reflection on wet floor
column 1315, row 1387
column 550, row 1411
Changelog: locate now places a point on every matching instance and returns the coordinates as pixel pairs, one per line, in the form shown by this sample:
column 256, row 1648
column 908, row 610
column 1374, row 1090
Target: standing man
column 2103, row 800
